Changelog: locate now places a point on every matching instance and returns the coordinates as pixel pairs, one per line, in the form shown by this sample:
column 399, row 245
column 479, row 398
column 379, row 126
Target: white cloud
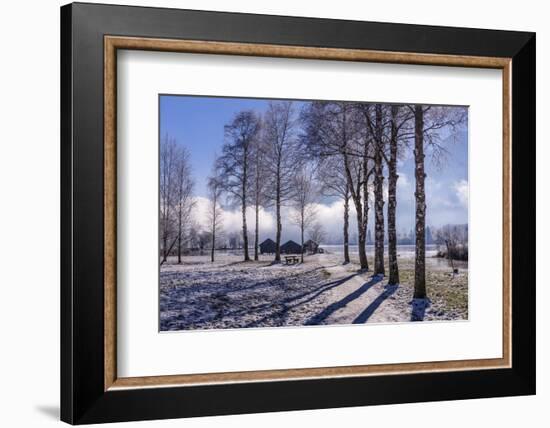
column 403, row 180
column 232, row 219
column 330, row 215
column 461, row 189
column 446, row 204
column 433, row 185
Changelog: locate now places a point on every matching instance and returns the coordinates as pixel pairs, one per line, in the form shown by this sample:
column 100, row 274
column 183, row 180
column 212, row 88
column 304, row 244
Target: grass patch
column 448, row 292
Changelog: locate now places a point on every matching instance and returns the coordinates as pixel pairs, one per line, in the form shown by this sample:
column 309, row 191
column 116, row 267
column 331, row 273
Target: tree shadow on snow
column 329, row 310
column 419, row 307
column 367, row 313
column 290, row 302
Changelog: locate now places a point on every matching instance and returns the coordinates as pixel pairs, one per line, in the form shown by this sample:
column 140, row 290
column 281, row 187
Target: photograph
column 286, row 213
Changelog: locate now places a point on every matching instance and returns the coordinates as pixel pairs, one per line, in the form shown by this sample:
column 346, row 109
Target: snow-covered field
column 230, row 293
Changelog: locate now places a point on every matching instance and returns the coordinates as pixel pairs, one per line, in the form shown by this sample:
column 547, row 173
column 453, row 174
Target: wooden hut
column 267, row 247
column 291, row 247
column 311, row 247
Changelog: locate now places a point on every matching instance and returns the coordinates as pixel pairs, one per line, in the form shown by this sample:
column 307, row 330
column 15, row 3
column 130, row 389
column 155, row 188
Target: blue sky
column 198, row 123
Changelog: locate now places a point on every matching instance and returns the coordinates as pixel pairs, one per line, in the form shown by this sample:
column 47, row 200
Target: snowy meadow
column 230, row 293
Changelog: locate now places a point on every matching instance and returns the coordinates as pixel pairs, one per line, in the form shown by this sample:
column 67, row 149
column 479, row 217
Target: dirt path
column 361, row 298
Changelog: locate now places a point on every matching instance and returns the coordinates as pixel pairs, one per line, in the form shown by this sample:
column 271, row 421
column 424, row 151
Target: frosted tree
column 379, row 147
column 259, row 184
column 214, row 212
column 400, row 119
column 167, row 168
column 317, row 233
column 333, row 182
column 332, row 129
column 183, row 192
column 454, row 238
column 303, row 203
column 374, row 116
column 281, row 159
column 234, row 164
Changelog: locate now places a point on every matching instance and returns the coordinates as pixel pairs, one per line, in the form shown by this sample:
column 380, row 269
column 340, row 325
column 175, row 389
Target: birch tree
column 429, row 122
column 281, row 159
column 259, row 184
column 330, row 130
column 333, row 182
column 167, row 162
column 302, row 203
column 214, row 212
column 173, row 197
column 400, row 119
column 377, row 131
column 317, row 233
column 184, row 202
column 234, row 164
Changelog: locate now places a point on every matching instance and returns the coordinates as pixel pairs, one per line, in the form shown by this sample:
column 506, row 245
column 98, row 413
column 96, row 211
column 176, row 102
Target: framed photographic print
column 265, row 213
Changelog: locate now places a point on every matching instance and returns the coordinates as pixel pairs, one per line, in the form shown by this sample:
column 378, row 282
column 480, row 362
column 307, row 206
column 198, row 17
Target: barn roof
column 290, row 243
column 268, row 241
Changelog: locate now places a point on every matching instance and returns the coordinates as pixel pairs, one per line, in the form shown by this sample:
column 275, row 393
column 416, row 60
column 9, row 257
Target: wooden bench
column 292, row 259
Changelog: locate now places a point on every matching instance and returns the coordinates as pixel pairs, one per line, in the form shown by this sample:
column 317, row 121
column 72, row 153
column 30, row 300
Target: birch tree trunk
column 212, row 250
column 420, row 196
column 392, row 201
column 257, row 233
column 361, row 238
column 257, row 207
column 365, row 214
column 213, row 219
column 361, row 207
column 244, row 201
column 180, row 231
column 213, row 240
column 302, row 227
column 245, row 234
column 378, row 196
column 361, row 226
column 278, row 215
column 346, row 226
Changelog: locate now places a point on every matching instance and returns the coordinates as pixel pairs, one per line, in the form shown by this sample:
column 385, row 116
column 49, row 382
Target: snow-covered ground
column 230, row 293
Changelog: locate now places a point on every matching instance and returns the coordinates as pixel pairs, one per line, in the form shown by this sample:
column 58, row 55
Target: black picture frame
column 83, row 399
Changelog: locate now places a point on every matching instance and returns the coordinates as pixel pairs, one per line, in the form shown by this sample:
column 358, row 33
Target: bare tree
column 400, row 118
column 259, row 184
column 454, row 238
column 331, row 129
column 317, row 233
column 214, row 211
column 184, row 202
column 167, row 167
column 333, row 181
column 377, row 133
column 281, row 159
column 234, row 165
column 303, row 203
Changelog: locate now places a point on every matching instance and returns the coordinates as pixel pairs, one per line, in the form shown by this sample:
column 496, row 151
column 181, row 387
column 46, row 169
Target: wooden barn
column 291, row 247
column 311, row 247
column 267, row 247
